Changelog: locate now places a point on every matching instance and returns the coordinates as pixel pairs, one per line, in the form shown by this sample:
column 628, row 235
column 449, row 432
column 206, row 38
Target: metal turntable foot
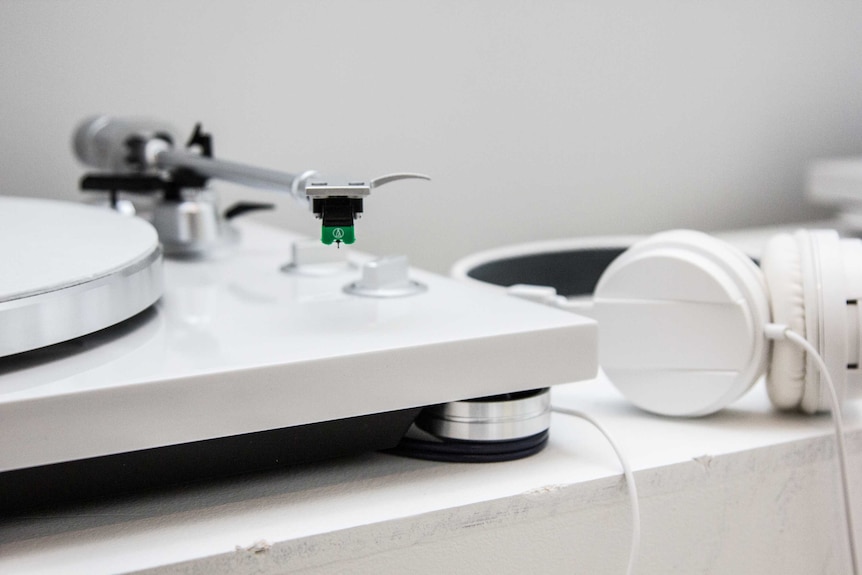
column 488, row 429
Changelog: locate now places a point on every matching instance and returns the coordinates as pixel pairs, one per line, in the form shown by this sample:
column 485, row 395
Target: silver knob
column 386, row 277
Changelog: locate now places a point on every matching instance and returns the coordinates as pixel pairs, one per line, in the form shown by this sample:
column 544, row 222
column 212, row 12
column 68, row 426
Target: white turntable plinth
column 237, row 346
column 69, row 270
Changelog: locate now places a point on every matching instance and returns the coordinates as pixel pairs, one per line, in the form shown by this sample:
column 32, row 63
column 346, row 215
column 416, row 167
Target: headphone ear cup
column 782, row 269
column 681, row 318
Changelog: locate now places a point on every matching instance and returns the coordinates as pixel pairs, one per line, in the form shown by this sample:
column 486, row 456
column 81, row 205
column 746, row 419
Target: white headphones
column 688, row 323
column 684, row 319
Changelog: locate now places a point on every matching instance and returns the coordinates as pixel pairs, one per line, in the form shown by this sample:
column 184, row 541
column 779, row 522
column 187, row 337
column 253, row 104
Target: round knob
column 386, row 277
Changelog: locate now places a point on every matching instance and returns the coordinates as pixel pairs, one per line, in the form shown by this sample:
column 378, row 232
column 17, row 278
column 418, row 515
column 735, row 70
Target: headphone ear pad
column 782, row 269
column 830, row 282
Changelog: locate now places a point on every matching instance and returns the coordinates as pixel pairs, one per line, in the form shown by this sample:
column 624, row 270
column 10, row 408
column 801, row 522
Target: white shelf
column 701, row 481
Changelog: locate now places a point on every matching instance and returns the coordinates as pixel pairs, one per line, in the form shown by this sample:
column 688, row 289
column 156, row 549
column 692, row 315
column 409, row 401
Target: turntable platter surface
column 69, row 270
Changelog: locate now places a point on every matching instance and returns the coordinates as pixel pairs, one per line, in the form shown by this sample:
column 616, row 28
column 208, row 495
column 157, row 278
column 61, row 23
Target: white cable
column 774, row 331
column 630, row 483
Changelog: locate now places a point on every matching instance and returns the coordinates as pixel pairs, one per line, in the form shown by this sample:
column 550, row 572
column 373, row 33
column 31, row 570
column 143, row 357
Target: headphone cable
column 630, row 483
column 777, row 332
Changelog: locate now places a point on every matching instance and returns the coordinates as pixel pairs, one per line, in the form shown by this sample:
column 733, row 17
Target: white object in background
column 839, row 182
column 836, row 181
column 478, row 268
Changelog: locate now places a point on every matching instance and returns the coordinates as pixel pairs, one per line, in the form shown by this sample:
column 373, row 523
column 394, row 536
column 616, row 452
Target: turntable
column 124, row 370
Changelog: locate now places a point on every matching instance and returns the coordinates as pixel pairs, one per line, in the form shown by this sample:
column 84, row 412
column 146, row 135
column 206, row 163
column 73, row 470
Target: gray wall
column 537, row 118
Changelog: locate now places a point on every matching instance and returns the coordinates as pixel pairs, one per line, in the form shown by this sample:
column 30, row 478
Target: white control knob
column 386, row 277
column 312, row 258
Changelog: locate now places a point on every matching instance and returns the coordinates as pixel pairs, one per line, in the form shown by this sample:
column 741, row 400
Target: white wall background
column 537, row 118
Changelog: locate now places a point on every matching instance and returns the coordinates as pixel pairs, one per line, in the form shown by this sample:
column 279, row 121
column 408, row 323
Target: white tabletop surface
column 203, row 522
